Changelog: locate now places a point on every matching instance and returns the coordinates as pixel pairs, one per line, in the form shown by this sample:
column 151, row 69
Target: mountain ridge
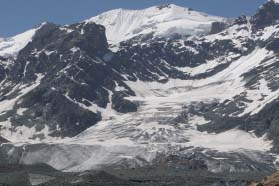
column 10, row 46
column 123, row 24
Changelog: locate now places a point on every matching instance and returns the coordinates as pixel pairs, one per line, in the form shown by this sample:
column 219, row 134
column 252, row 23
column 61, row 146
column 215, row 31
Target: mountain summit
column 164, row 20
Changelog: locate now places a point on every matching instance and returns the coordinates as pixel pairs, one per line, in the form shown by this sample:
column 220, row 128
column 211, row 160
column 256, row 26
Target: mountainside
column 202, row 97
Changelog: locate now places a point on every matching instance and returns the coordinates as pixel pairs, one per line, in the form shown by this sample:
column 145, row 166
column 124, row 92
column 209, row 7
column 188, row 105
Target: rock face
column 267, row 15
column 51, row 103
column 67, row 66
column 146, row 99
column 269, row 181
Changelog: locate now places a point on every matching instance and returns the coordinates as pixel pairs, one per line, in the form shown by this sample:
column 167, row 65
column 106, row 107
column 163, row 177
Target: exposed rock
column 267, row 15
column 217, row 27
column 272, row 180
column 242, row 20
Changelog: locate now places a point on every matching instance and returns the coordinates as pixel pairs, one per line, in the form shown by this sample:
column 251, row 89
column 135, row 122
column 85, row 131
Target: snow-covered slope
column 165, row 20
column 11, row 46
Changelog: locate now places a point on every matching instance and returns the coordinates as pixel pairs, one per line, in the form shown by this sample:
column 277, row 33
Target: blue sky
column 17, row 16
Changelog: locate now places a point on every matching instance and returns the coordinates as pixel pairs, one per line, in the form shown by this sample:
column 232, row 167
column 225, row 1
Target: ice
column 203, row 68
column 259, row 97
column 140, row 137
column 161, row 102
column 23, row 89
column 152, row 128
column 268, row 32
column 230, row 141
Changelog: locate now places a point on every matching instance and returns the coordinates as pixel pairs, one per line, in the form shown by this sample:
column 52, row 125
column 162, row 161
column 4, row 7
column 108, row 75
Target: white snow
column 20, row 111
column 197, row 120
column 66, row 29
column 94, row 108
column 151, row 130
column 260, row 96
column 21, row 133
column 124, row 24
column 230, row 140
column 203, row 68
column 11, row 46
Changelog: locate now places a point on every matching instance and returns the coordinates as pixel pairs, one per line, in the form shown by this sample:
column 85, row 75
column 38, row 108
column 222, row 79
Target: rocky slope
column 269, row 181
column 70, row 99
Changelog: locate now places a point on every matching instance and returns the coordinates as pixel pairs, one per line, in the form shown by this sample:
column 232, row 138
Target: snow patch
column 20, row 111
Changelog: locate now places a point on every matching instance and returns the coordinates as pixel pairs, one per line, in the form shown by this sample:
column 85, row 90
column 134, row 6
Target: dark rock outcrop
column 267, row 15
column 217, row 27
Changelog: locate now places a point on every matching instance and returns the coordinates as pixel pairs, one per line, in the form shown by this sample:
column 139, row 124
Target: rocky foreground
column 272, row 180
column 157, row 175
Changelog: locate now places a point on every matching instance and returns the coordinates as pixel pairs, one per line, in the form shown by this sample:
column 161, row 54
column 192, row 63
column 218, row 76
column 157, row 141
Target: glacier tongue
column 167, row 20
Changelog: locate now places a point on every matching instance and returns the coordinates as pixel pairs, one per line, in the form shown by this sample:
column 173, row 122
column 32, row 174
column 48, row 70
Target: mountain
column 160, row 21
column 205, row 103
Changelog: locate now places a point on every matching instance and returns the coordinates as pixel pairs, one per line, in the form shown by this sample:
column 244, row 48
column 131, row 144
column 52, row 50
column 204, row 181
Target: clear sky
column 17, row 16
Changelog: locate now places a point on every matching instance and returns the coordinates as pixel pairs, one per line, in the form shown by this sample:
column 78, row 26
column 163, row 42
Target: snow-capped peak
column 164, row 20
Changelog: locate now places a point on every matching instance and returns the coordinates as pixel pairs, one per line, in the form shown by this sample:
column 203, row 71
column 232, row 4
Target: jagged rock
column 242, row 20
column 217, row 27
column 267, row 15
